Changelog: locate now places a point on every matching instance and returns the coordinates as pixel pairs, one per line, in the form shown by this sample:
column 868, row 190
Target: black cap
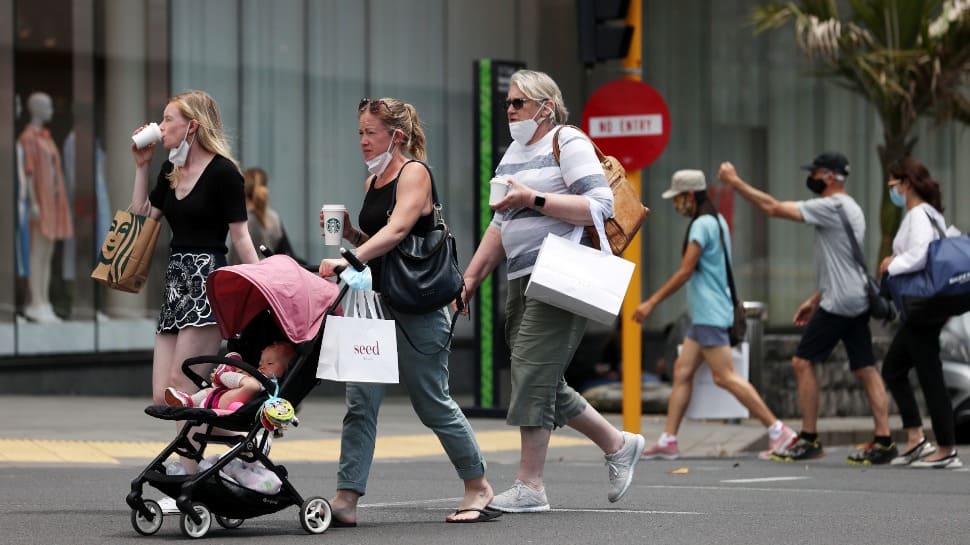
column 831, row 160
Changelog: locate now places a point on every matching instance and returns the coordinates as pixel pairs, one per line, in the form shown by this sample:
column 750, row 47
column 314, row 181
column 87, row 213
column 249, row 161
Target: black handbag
column 739, row 327
column 880, row 307
column 421, row 274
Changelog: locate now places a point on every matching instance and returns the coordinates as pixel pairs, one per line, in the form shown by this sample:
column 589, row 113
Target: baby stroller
column 255, row 305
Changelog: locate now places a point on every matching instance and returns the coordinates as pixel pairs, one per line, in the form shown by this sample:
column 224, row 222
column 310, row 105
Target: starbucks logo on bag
column 333, row 226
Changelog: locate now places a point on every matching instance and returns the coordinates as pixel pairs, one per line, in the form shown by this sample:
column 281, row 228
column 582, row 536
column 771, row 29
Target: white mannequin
column 41, row 110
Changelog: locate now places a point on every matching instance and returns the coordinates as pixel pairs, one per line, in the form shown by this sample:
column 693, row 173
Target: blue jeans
column 426, row 379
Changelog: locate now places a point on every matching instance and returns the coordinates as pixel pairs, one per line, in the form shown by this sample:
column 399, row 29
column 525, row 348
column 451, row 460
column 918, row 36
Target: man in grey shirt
column 838, row 311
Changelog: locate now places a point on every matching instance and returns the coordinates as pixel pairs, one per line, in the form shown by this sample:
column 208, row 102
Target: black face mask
column 815, row 185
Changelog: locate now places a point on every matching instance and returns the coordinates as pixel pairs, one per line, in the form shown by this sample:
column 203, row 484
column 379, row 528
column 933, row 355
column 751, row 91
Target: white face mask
column 377, row 165
column 179, row 154
column 522, row 131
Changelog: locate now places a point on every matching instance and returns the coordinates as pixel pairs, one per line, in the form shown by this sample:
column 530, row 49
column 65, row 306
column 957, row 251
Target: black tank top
column 373, row 217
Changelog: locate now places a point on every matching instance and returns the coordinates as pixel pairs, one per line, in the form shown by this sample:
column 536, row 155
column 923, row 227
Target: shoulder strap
column 856, row 250
column 555, row 143
column 727, row 262
column 435, row 203
column 940, row 232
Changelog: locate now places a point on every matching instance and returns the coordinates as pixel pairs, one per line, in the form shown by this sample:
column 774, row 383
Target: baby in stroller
column 231, row 387
column 273, row 310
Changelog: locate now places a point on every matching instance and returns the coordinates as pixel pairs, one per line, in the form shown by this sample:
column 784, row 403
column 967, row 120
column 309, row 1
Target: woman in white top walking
column 918, row 344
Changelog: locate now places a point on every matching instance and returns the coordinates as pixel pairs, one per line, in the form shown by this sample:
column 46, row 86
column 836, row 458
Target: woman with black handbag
column 711, row 298
column 917, row 344
column 399, row 202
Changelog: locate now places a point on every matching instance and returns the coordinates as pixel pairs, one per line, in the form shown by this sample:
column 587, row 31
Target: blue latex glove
column 358, row 280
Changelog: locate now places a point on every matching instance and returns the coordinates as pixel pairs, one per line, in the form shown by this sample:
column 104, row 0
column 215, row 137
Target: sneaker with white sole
column 621, row 464
column 176, row 398
column 521, row 498
column 787, row 437
column 657, row 452
column 949, row 462
column 922, row 449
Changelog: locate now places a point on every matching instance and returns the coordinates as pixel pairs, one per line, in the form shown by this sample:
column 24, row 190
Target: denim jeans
column 426, row 379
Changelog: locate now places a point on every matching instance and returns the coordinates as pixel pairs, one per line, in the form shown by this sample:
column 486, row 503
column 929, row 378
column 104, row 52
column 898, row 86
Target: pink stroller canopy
column 299, row 299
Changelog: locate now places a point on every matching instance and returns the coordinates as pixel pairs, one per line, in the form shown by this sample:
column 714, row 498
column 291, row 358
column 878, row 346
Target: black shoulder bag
column 421, row 274
column 880, row 308
column 739, row 327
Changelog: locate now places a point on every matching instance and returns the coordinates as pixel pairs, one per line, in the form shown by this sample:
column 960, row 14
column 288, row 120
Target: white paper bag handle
column 373, row 306
column 598, row 212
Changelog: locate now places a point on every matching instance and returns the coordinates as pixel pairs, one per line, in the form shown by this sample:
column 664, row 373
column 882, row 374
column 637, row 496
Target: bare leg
column 684, row 369
column 532, row 458
column 807, row 393
column 592, row 424
column 720, row 361
column 914, row 436
column 878, row 399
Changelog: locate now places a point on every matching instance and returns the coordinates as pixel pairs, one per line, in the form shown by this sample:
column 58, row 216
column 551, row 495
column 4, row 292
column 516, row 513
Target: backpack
column 628, row 211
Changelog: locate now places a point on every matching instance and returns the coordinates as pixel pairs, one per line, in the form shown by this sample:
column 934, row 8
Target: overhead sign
column 629, row 120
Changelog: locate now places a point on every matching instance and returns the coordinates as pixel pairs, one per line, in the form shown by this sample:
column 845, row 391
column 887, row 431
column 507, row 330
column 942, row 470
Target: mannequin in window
column 50, row 214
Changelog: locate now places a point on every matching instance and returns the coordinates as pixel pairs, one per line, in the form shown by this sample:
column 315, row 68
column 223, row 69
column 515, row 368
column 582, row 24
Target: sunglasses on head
column 372, row 105
column 518, row 103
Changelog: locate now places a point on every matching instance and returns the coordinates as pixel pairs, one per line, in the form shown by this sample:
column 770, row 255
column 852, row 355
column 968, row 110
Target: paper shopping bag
column 361, row 346
column 580, row 279
column 126, row 255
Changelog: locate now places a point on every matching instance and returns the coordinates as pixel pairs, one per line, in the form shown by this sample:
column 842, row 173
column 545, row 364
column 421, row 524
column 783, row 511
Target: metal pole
column 632, row 340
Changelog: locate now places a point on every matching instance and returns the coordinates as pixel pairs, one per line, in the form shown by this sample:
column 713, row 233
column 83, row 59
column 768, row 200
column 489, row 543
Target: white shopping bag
column 359, row 347
column 708, row 400
column 585, row 281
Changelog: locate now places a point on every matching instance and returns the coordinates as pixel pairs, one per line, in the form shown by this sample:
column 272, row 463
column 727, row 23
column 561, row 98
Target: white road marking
column 765, row 479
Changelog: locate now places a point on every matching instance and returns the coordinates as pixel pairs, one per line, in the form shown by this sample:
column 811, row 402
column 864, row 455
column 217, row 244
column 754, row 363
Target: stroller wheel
column 196, row 530
column 229, row 523
column 316, row 515
column 143, row 525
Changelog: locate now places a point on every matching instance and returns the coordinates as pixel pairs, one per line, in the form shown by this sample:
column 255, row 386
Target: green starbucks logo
column 333, row 226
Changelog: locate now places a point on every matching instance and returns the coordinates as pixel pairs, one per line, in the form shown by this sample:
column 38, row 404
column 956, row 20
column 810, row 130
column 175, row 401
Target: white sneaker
column 786, row 438
column 521, row 498
column 167, row 505
column 621, row 464
column 922, row 449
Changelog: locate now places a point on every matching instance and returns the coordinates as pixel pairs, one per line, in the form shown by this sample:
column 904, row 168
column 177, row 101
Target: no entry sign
column 629, row 120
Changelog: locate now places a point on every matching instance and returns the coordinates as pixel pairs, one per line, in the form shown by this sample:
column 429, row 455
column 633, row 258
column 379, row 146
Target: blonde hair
column 539, row 86
column 198, row 106
column 257, row 192
column 397, row 114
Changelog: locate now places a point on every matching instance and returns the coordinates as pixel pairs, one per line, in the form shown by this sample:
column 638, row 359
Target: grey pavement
column 73, row 418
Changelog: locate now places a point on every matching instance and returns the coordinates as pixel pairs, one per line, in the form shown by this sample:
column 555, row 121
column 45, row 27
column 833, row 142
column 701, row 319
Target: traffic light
column 603, row 32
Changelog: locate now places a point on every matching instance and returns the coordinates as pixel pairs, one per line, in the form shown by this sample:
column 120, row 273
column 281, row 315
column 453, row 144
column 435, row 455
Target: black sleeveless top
column 373, row 217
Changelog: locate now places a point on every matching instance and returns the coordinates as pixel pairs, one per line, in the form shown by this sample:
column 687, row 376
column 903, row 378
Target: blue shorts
column 708, row 335
column 825, row 330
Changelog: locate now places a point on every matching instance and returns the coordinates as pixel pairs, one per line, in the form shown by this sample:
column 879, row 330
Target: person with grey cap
column 703, row 267
column 837, row 311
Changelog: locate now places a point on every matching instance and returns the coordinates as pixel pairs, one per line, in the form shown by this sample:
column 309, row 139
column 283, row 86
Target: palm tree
column 908, row 58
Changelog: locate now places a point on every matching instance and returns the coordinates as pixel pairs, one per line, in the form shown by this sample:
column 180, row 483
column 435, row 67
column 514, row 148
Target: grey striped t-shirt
column 578, row 173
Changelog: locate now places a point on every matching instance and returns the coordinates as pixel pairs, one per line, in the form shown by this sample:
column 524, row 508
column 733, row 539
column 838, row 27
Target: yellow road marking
column 284, row 450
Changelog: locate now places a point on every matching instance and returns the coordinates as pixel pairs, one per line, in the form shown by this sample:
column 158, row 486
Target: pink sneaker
column 787, row 437
column 175, row 398
column 220, row 370
column 670, row 452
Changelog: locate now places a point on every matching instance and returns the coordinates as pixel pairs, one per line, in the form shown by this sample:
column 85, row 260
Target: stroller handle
column 351, row 258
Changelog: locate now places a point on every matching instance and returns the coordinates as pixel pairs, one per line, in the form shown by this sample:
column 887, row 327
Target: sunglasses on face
column 372, row 105
column 517, row 103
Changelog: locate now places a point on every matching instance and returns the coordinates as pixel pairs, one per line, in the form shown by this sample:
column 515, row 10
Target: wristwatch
column 539, row 201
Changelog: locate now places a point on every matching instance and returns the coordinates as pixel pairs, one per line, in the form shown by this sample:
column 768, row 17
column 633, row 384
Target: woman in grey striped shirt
column 545, row 196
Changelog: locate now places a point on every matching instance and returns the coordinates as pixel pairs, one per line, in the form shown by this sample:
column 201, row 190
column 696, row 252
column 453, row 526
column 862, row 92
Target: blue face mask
column 897, row 198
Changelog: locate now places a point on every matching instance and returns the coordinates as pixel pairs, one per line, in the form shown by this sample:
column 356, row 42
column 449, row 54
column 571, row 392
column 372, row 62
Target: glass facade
column 76, row 78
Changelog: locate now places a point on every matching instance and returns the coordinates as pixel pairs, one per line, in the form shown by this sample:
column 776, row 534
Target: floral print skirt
column 186, row 303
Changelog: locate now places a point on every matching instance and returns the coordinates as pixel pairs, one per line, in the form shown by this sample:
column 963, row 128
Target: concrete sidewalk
column 110, row 430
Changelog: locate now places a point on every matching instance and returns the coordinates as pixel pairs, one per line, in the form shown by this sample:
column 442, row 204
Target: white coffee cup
column 333, row 223
column 498, row 187
column 148, row 135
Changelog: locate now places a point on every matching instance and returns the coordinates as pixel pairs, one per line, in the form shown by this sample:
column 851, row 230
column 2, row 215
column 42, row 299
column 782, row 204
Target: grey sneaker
column 521, row 498
column 923, row 449
column 622, row 463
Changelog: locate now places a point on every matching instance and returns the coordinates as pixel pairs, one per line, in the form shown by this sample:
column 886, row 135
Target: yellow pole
column 632, row 345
